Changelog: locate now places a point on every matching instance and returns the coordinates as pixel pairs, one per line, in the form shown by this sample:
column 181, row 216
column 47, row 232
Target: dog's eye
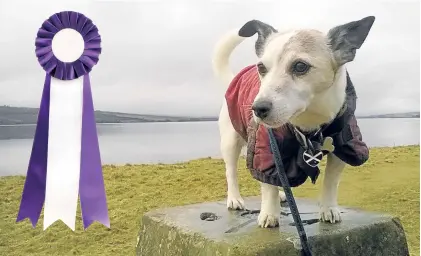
column 261, row 69
column 300, row 68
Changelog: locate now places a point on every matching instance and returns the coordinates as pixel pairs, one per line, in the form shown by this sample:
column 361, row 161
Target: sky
column 156, row 55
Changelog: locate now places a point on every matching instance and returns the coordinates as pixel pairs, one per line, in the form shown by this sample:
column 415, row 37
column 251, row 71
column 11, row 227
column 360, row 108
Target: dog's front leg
column 329, row 211
column 271, row 206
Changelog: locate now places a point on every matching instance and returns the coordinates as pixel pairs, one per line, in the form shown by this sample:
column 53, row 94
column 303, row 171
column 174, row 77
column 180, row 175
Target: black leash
column 288, row 193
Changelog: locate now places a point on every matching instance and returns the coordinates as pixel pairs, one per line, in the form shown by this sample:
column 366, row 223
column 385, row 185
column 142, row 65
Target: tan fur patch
column 311, row 46
column 310, row 42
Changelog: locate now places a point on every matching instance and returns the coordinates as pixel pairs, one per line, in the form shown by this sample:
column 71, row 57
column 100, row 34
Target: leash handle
column 288, row 193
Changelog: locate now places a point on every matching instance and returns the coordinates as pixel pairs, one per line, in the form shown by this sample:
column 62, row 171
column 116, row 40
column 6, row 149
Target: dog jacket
column 344, row 131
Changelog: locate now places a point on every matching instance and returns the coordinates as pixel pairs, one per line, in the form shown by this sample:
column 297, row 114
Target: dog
column 300, row 81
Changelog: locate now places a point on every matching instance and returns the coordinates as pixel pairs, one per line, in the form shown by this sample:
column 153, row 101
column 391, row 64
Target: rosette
column 44, row 45
column 65, row 161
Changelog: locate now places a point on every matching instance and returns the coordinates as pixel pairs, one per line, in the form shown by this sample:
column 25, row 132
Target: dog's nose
column 262, row 108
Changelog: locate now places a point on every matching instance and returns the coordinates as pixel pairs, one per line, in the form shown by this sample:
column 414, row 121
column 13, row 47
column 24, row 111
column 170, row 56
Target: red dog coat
column 344, row 130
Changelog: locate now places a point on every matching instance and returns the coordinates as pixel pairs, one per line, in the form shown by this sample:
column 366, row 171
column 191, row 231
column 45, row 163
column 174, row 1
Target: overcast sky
column 156, row 55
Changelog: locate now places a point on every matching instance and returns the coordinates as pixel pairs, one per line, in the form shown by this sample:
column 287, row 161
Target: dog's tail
column 221, row 55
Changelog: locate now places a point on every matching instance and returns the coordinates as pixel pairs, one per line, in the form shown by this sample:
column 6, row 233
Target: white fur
column 315, row 109
column 324, row 107
column 270, row 208
column 221, row 55
column 231, row 144
column 329, row 211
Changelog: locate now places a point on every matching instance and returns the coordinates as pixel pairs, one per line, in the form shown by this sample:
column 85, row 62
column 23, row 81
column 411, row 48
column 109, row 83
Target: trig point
column 180, row 231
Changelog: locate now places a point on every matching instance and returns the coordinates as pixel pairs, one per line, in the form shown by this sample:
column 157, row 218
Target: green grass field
column 388, row 182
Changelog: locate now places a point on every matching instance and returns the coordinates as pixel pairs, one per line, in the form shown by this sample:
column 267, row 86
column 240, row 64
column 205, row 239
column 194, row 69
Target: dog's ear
column 263, row 31
column 345, row 39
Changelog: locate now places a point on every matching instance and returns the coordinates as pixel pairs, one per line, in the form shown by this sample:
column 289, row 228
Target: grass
column 388, row 182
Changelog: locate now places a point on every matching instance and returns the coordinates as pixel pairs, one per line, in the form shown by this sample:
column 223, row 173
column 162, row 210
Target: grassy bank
column 388, row 182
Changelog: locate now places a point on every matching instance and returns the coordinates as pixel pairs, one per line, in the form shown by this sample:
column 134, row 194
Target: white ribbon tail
column 64, row 147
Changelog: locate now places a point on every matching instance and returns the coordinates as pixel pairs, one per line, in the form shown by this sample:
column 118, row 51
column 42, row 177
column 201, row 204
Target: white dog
column 302, row 81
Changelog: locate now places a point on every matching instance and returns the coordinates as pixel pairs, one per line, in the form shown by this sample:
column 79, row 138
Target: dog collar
column 313, row 145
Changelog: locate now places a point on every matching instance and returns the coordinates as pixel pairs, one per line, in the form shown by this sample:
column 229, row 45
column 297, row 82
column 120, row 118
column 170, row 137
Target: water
column 176, row 142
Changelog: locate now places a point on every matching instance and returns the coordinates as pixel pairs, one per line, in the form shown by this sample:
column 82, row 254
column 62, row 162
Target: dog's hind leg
column 329, row 211
column 282, row 196
column 231, row 145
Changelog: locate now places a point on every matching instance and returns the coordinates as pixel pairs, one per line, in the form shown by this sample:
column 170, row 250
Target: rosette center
column 68, row 45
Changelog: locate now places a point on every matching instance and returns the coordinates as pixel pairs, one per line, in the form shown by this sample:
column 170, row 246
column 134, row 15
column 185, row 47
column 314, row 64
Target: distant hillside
column 396, row 115
column 18, row 115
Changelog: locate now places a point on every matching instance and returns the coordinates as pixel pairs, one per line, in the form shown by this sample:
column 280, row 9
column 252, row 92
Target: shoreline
column 162, row 164
column 194, row 121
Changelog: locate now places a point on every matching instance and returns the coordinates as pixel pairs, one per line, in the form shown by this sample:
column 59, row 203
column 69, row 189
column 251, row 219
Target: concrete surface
column 183, row 231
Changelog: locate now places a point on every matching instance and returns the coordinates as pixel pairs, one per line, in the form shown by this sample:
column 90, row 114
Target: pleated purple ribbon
column 91, row 184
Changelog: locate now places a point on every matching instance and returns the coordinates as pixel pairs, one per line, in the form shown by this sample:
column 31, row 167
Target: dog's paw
column 282, row 196
column 330, row 214
column 235, row 203
column 267, row 220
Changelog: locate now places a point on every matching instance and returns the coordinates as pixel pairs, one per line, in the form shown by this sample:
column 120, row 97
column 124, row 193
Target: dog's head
column 297, row 66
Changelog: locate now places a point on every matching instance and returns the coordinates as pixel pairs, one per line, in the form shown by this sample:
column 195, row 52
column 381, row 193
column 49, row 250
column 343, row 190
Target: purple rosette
column 43, row 43
column 91, row 185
